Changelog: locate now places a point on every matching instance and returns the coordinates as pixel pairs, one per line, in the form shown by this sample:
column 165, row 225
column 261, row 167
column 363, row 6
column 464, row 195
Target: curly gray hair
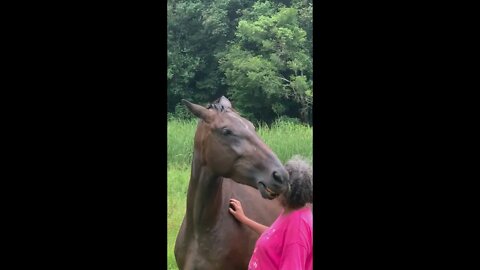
column 300, row 182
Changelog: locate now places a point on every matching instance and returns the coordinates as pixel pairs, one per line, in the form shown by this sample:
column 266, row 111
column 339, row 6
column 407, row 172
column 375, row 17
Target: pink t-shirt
column 286, row 244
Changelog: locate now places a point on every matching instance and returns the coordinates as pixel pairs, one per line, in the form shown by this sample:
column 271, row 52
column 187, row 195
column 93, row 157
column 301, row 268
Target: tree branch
column 282, row 78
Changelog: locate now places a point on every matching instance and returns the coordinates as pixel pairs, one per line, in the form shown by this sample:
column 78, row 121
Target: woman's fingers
column 236, row 204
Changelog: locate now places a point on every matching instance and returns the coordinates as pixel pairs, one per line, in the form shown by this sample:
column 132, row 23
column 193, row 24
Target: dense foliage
column 257, row 53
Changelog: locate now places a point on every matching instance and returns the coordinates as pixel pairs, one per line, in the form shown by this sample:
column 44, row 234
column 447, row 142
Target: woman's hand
column 236, row 210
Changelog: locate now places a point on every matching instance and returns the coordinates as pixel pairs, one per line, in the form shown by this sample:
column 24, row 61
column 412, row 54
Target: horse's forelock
column 220, row 108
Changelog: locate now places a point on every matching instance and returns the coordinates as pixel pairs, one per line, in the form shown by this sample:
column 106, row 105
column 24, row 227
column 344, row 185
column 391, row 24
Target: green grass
column 180, row 141
column 285, row 139
column 178, row 178
column 288, row 139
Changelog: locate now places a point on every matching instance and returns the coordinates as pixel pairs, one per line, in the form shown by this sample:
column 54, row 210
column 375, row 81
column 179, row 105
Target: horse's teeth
column 270, row 191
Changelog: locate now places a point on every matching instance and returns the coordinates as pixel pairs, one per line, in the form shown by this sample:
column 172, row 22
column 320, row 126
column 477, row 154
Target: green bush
column 182, row 113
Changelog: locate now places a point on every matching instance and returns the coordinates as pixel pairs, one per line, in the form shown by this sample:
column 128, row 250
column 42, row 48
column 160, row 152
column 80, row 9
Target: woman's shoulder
column 300, row 227
column 306, row 215
column 302, row 217
column 305, row 211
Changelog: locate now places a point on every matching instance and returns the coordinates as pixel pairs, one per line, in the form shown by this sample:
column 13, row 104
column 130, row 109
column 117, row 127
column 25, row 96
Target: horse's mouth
column 266, row 192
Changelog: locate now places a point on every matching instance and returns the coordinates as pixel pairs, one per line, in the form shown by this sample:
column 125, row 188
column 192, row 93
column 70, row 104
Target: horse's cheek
column 219, row 161
column 238, row 150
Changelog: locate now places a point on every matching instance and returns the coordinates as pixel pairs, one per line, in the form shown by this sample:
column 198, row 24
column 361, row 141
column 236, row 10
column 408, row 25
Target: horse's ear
column 199, row 111
column 225, row 102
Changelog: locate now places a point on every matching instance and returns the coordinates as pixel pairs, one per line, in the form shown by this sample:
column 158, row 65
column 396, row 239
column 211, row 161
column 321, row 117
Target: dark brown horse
column 229, row 161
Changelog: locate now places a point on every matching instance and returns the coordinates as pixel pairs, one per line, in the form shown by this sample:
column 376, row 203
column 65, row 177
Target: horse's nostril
column 277, row 177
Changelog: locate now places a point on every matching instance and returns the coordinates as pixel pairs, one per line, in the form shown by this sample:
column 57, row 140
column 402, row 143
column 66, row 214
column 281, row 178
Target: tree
column 196, row 31
column 268, row 67
column 256, row 52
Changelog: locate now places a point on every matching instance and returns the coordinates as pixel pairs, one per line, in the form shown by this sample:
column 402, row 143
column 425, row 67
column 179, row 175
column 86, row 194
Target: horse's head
column 231, row 148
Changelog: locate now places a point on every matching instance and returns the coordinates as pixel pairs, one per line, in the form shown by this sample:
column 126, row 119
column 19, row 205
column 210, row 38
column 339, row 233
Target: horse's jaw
column 266, row 192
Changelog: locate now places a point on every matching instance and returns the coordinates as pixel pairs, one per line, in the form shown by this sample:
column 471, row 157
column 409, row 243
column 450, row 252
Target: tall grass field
column 286, row 139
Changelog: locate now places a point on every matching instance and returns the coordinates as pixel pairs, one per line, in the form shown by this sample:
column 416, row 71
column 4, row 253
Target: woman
column 288, row 242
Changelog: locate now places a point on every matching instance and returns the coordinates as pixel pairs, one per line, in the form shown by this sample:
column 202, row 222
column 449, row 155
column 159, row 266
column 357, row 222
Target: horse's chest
column 227, row 247
column 221, row 242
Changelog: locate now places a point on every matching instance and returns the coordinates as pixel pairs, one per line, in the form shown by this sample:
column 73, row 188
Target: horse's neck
column 204, row 197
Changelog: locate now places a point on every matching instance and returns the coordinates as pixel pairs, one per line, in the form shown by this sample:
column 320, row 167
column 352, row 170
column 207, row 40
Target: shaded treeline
column 257, row 53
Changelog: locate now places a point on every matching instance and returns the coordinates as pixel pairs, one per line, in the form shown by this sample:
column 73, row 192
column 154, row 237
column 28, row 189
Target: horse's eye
column 226, row 131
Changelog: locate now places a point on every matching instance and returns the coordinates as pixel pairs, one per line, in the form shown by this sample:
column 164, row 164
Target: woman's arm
column 237, row 212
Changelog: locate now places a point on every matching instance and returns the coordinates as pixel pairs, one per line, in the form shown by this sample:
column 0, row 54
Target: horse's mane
column 216, row 106
column 220, row 108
